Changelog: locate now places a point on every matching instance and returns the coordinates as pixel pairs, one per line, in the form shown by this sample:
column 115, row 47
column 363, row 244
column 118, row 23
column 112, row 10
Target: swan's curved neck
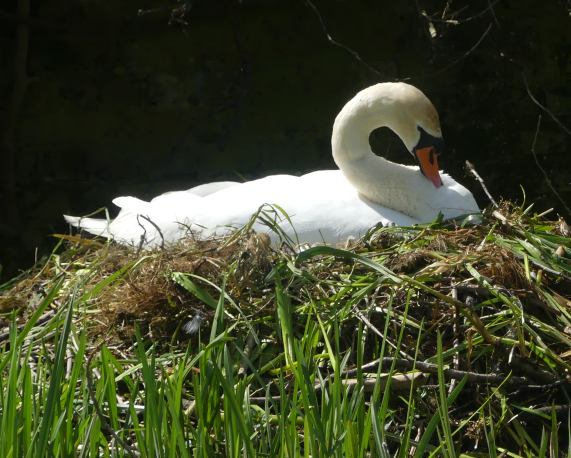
column 379, row 180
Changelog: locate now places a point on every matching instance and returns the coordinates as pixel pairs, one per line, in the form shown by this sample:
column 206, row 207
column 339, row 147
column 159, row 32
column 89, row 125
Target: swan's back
column 324, row 206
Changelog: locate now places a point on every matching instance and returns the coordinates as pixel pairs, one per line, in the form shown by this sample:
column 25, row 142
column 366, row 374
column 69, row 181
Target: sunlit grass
column 425, row 341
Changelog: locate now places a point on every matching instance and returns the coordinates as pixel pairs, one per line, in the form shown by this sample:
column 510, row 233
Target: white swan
column 324, row 206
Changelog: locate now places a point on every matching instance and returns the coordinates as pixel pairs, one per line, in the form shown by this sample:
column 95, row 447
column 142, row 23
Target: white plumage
column 324, row 206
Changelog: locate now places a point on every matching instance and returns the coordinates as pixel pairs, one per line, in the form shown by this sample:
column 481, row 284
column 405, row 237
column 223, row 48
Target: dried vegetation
column 482, row 310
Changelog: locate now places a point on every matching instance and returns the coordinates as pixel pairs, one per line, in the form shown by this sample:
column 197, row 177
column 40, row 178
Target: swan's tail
column 101, row 227
column 148, row 224
column 94, row 226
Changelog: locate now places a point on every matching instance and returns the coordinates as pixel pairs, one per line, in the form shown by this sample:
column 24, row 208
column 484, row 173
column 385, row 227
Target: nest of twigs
column 495, row 295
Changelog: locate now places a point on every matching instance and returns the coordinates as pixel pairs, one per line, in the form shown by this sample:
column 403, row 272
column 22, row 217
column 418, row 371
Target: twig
column 540, row 167
column 143, row 236
column 564, row 408
column 404, row 381
column 370, row 325
column 41, row 320
column 455, row 62
column 492, row 12
column 104, row 423
column 399, row 382
column 358, row 57
column 334, row 42
column 490, row 8
column 474, row 377
column 476, row 175
column 473, row 318
column 419, row 432
column 456, row 331
column 544, row 108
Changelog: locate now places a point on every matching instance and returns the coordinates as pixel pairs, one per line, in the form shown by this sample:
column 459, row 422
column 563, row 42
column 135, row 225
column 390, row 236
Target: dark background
column 101, row 99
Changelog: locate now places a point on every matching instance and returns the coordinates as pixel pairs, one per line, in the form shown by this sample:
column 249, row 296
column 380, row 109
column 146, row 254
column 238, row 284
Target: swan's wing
column 322, row 207
column 455, row 200
column 211, row 188
column 201, row 190
column 130, row 204
column 165, row 219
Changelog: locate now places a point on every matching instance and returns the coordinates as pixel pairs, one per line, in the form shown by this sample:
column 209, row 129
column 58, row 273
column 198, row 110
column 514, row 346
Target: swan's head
column 402, row 108
column 416, row 122
column 426, row 152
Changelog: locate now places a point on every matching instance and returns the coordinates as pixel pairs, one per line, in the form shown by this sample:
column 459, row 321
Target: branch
column 404, row 381
column 557, row 409
column 476, row 175
column 544, row 108
column 41, row 320
column 489, row 8
column 539, row 166
column 143, row 236
column 334, row 42
column 455, row 62
column 474, row 377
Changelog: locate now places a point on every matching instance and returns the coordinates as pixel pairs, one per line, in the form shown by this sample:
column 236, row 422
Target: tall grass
column 425, row 341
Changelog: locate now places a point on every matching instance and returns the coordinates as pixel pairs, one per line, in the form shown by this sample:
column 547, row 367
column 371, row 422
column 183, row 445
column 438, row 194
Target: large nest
column 495, row 294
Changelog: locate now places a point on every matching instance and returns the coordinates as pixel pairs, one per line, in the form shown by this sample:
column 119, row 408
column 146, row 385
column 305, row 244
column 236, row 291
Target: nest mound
column 490, row 302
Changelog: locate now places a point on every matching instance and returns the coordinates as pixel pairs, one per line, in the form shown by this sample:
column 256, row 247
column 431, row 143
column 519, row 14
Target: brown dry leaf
column 565, row 355
column 11, row 302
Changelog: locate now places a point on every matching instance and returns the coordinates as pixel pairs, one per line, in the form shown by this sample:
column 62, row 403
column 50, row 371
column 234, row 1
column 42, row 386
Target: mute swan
column 324, row 206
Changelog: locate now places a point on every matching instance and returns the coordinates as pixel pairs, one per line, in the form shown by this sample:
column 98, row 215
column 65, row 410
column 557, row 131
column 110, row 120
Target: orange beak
column 428, row 159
